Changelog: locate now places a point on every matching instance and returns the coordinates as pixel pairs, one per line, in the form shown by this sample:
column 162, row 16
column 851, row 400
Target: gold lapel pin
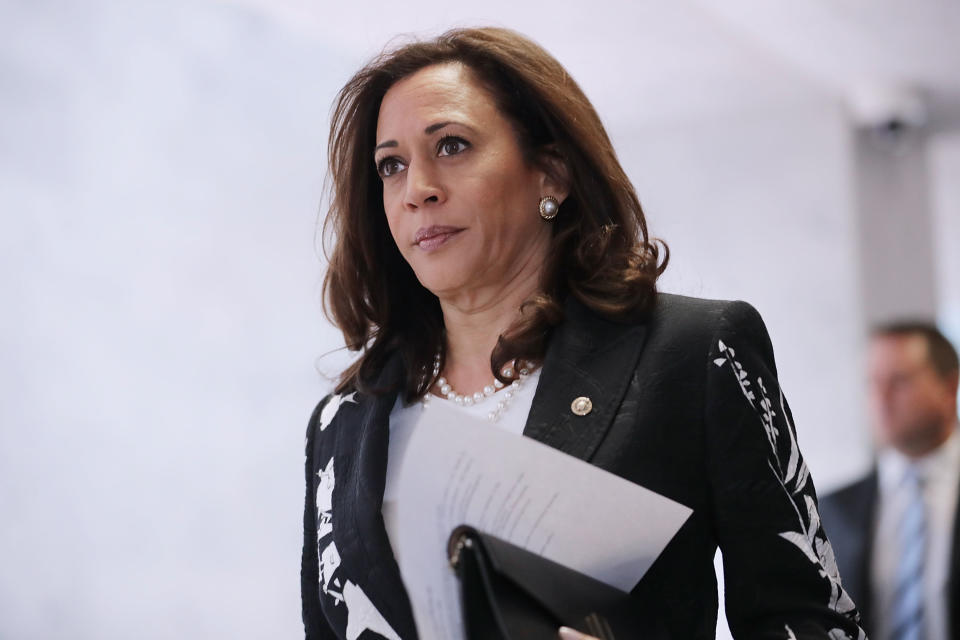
column 581, row 406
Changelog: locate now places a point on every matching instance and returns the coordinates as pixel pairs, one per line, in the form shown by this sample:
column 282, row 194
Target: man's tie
column 907, row 619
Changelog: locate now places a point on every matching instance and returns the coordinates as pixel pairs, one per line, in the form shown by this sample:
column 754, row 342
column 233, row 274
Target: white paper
column 461, row 471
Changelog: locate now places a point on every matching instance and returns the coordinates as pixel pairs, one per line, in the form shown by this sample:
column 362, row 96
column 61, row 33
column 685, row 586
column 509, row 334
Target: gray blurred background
column 161, row 174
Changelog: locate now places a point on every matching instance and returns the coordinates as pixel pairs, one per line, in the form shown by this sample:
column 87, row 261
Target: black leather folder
column 509, row 593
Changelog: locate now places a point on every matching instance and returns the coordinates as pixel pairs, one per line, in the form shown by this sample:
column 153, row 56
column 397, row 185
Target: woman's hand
column 566, row 633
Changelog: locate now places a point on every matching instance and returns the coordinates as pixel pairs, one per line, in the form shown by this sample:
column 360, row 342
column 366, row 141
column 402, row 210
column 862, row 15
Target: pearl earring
column 549, row 206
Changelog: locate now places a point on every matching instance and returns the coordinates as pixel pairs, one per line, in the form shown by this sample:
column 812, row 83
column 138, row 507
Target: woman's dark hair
column 600, row 251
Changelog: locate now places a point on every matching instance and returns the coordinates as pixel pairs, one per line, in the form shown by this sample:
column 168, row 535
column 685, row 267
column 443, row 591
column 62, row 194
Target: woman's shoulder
column 687, row 332
column 678, row 324
column 686, row 317
column 355, row 398
column 678, row 335
column 326, row 410
column 700, row 311
column 698, row 330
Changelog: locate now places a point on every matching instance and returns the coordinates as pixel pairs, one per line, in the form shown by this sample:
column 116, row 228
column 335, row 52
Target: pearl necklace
column 468, row 400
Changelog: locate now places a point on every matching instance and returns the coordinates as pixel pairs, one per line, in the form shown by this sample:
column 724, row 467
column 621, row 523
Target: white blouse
column 404, row 419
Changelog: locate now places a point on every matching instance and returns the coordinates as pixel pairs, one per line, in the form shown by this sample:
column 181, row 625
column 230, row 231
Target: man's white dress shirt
column 940, row 474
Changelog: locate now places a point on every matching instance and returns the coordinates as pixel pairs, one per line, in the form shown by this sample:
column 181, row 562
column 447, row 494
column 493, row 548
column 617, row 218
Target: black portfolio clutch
column 509, row 593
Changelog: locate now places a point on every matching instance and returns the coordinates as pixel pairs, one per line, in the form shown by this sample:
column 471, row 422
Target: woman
column 491, row 253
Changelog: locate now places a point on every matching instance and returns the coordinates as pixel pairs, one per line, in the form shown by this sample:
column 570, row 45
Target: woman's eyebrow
column 440, row 125
column 433, row 128
column 437, row 126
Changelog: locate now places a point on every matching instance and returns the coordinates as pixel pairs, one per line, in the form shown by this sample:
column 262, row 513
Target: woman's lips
column 433, row 237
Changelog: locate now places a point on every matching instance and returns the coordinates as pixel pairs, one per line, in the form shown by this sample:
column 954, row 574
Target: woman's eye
column 451, row 146
column 389, row 166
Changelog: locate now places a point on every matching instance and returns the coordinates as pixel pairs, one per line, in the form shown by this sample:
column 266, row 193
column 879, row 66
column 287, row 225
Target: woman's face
column 461, row 201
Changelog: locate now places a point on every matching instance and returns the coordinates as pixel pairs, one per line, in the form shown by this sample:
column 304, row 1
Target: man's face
column 913, row 407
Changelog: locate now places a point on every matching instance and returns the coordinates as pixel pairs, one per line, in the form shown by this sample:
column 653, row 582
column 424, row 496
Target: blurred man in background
column 894, row 532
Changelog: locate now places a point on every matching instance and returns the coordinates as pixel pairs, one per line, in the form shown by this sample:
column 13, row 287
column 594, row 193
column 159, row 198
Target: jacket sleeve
column 780, row 575
column 314, row 623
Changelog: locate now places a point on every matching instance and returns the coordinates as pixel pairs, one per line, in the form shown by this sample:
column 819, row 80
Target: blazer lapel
column 365, row 550
column 588, row 358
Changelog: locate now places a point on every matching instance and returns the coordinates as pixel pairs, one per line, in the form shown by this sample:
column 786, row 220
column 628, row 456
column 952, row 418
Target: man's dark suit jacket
column 685, row 403
column 849, row 516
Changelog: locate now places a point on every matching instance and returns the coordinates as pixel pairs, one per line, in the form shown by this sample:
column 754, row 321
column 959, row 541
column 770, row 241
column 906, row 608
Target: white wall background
column 160, row 171
column 944, row 158
column 161, row 167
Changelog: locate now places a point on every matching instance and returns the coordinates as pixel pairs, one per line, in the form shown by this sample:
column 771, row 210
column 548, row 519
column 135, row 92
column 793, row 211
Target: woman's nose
column 422, row 187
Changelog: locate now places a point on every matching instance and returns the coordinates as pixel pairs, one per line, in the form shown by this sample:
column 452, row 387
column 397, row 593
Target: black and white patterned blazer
column 685, row 403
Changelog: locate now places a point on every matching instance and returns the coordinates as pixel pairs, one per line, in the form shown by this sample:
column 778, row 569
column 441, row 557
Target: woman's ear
column 554, row 174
